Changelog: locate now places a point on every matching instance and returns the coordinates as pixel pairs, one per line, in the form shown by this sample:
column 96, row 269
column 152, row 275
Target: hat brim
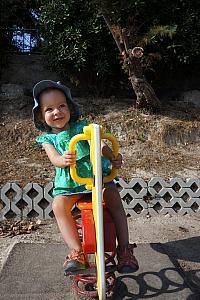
column 45, row 84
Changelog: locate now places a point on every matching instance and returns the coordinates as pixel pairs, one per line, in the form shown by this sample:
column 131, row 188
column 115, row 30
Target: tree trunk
column 145, row 94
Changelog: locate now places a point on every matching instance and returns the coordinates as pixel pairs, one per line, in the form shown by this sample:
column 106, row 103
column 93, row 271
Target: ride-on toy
column 96, row 230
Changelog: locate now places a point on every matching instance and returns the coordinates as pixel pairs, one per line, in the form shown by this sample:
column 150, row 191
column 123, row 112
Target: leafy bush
column 78, row 43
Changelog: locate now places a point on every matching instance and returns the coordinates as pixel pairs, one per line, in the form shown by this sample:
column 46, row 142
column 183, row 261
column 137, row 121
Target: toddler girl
column 56, row 114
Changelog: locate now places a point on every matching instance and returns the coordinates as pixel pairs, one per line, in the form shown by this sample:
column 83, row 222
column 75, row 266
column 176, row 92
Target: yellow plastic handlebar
column 72, row 147
column 87, row 136
column 115, row 147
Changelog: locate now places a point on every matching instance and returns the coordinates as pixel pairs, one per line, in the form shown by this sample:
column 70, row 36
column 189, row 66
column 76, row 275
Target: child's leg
column 62, row 206
column 114, row 204
column 127, row 262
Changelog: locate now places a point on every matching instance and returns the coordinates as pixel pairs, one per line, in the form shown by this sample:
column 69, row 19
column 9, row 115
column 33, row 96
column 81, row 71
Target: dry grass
column 165, row 144
column 153, row 144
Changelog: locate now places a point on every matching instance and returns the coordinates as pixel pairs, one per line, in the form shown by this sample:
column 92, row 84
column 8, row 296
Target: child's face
column 54, row 110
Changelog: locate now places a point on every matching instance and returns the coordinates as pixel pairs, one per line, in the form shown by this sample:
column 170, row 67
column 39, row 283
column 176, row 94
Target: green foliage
column 79, row 44
column 161, row 32
column 76, row 39
column 183, row 48
column 170, row 28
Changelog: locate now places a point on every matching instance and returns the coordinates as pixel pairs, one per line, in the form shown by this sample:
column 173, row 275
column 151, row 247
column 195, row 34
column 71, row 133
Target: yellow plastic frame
column 94, row 133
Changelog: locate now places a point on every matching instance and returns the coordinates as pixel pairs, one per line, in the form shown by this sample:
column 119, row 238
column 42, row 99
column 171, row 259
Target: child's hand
column 68, row 158
column 116, row 162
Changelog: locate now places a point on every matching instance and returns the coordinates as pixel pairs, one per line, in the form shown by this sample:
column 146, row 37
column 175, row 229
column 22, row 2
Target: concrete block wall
column 140, row 197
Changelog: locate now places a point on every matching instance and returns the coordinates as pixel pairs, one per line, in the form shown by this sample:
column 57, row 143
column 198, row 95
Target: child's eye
column 62, row 105
column 49, row 109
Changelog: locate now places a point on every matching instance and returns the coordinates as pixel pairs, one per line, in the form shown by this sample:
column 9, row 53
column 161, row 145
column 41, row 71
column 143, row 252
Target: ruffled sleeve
column 64, row 137
column 45, row 139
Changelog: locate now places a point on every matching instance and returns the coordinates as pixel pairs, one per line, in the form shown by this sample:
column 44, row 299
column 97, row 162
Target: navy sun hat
column 43, row 85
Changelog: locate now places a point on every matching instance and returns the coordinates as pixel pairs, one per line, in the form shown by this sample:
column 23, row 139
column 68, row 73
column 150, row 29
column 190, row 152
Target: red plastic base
column 88, row 232
column 83, row 282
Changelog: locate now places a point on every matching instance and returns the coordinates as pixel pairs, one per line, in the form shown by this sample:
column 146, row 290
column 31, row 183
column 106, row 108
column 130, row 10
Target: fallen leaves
column 10, row 228
column 183, row 229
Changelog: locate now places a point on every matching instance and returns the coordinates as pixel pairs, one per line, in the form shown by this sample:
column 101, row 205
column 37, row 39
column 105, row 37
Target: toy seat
column 88, row 228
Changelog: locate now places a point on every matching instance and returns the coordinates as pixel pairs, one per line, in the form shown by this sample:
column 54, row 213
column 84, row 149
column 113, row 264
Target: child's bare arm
column 60, row 161
column 108, row 153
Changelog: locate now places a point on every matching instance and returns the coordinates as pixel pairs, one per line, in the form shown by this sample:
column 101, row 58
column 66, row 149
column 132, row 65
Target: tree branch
column 117, row 40
column 125, row 40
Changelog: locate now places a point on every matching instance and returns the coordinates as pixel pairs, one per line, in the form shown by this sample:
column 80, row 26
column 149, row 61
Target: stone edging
column 140, row 198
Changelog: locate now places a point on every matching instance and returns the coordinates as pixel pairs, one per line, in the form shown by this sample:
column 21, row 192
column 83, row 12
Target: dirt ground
column 165, row 144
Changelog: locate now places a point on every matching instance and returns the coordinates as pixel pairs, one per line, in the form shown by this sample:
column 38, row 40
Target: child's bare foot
column 75, row 261
column 127, row 263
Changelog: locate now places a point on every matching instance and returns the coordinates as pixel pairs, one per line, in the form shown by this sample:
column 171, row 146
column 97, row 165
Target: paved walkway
column 34, row 271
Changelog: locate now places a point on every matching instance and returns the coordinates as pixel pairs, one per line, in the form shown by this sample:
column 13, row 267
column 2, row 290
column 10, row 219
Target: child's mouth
column 58, row 119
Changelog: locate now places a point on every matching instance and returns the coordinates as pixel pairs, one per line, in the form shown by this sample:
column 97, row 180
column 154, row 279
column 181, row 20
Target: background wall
column 26, row 70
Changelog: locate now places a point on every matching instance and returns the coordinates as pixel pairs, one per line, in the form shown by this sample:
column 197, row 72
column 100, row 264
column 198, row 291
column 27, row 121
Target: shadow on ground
column 153, row 285
column 185, row 255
